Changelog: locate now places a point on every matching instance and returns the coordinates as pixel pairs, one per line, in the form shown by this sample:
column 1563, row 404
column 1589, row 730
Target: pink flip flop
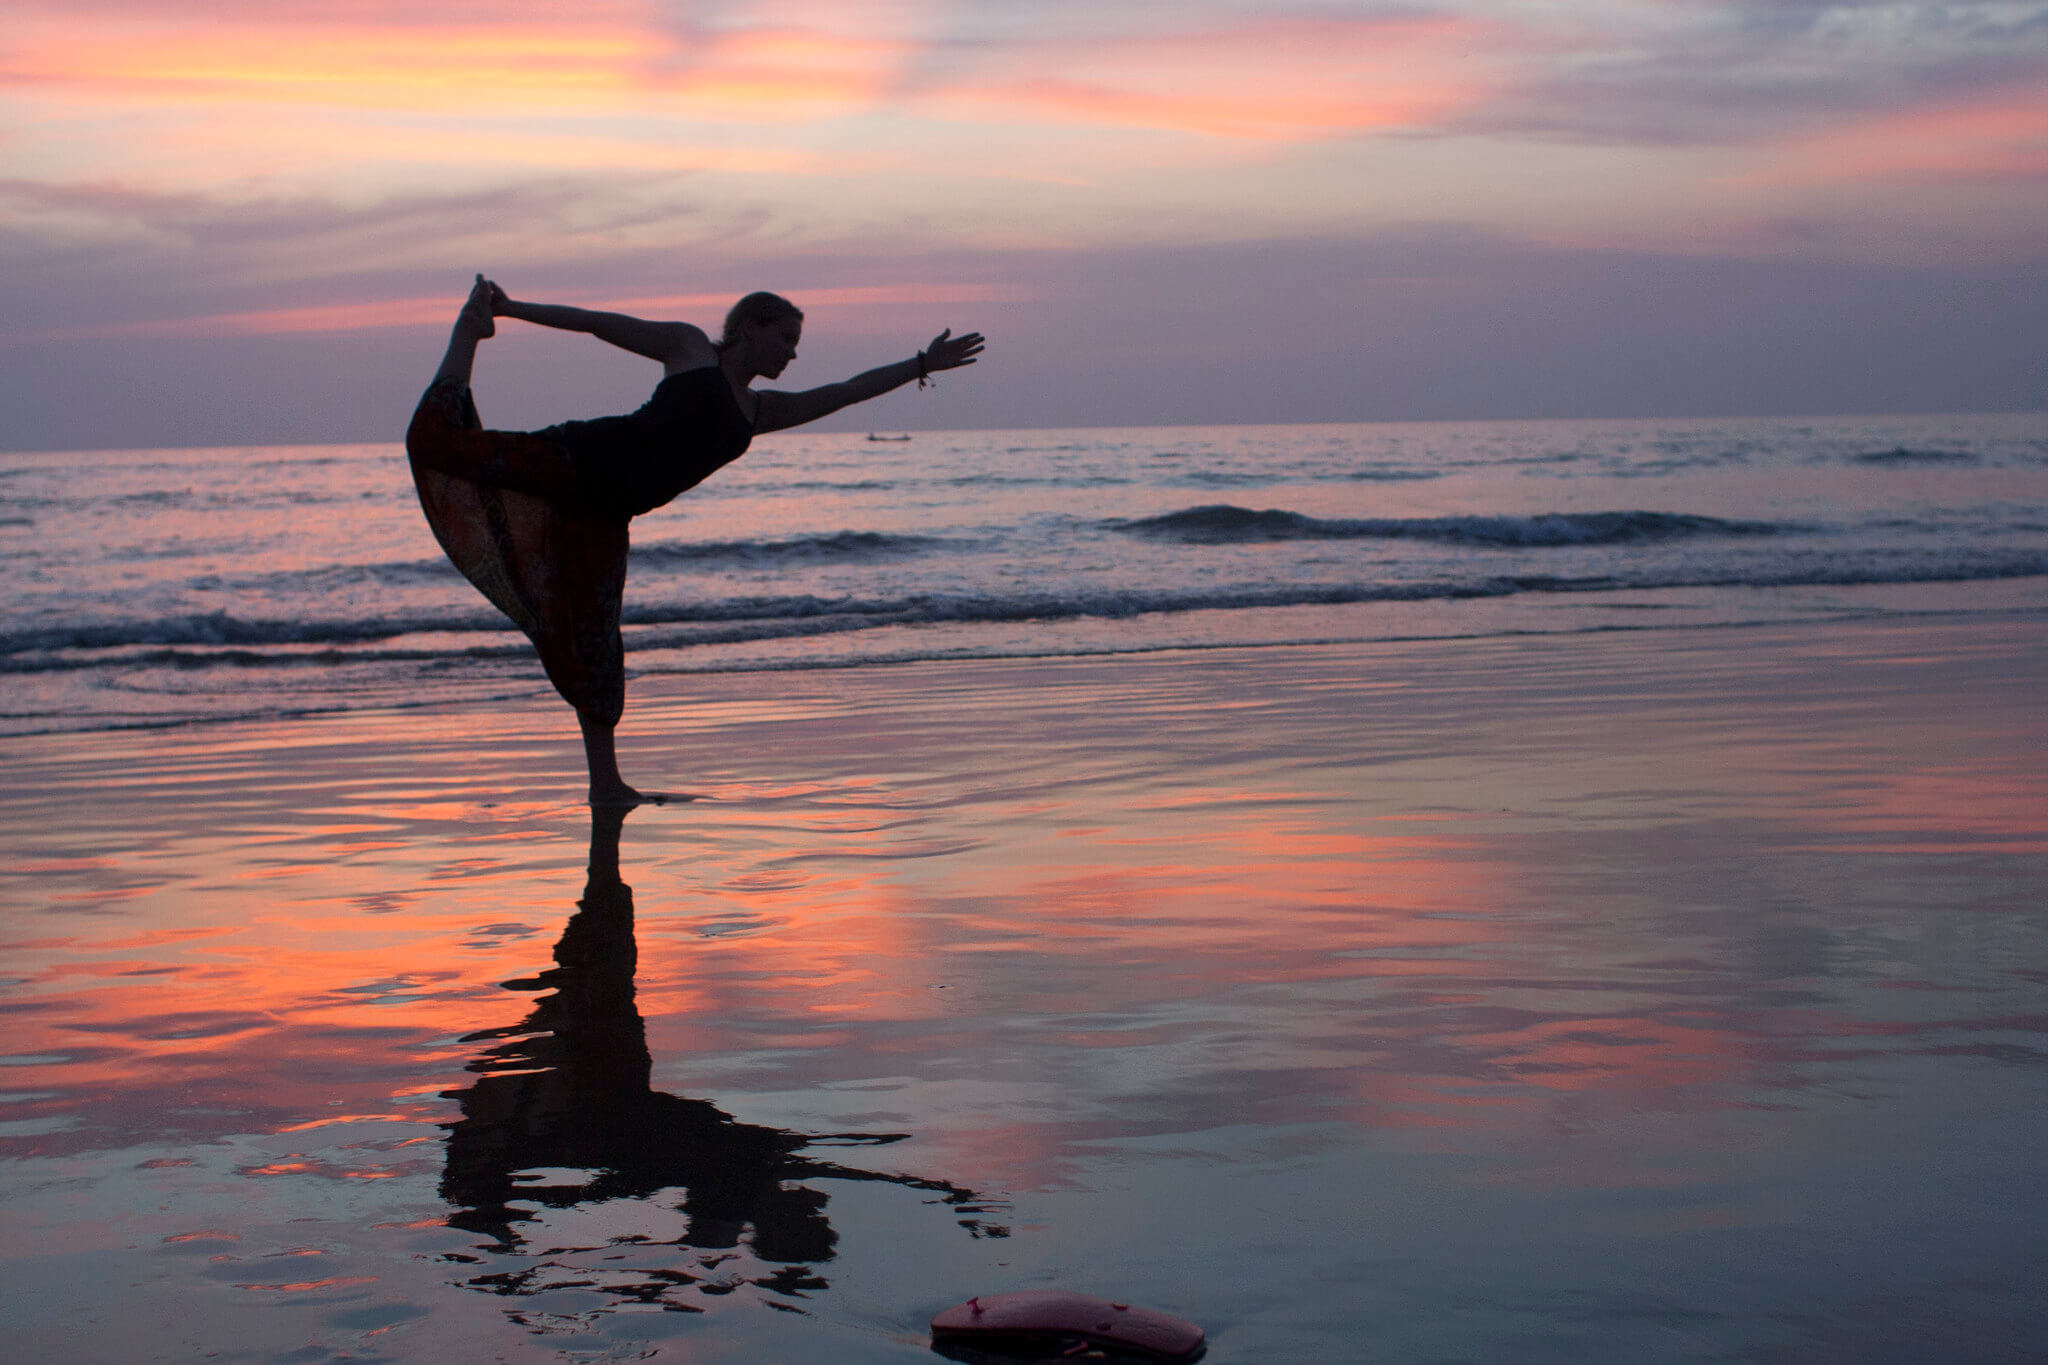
column 1038, row 1319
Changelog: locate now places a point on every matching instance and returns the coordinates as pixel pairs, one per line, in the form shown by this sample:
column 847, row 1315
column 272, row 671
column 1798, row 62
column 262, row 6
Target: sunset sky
column 237, row 221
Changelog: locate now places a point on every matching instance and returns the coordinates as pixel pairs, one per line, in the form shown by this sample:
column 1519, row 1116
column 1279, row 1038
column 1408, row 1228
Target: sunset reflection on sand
column 1217, row 982
column 563, row 1116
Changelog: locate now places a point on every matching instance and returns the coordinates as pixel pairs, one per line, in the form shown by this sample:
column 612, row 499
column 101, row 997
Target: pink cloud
column 439, row 311
column 2001, row 136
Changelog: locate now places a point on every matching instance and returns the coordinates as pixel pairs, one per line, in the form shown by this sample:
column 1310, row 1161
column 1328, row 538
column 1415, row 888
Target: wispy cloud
column 342, row 317
column 1284, row 77
column 615, row 60
column 219, row 241
column 2002, row 135
column 1738, row 71
column 1628, row 70
column 437, row 311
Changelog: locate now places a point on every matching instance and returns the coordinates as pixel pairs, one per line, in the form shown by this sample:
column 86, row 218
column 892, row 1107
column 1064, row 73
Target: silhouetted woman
column 537, row 520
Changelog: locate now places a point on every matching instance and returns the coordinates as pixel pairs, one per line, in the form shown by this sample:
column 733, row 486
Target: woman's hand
column 948, row 352
column 501, row 305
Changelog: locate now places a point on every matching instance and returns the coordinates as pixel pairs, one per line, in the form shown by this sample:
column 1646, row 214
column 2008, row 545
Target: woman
column 537, row 520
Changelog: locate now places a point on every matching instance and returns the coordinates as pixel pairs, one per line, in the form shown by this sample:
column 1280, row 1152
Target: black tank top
column 691, row 427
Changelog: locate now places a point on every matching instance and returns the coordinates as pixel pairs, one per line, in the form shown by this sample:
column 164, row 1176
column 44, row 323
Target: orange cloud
column 1247, row 115
column 793, row 70
column 2002, row 137
column 589, row 64
column 328, row 64
column 1281, row 78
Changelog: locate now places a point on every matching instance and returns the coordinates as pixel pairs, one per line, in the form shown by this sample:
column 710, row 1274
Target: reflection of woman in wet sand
column 537, row 520
column 569, row 1088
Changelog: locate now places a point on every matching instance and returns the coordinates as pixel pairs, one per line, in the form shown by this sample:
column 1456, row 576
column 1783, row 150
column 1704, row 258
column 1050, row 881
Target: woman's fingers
column 949, row 352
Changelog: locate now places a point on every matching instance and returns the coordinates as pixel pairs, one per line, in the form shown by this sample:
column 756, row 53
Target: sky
column 249, row 221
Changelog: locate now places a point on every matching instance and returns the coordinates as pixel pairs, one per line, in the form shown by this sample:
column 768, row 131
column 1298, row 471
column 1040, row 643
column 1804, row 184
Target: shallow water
column 1651, row 998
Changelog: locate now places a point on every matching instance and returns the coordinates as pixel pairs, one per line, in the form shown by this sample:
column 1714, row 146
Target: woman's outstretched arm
column 677, row 345
column 779, row 411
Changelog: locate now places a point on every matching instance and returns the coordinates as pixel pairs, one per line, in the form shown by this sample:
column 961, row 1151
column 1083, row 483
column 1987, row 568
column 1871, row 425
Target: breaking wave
column 1901, row 455
column 199, row 640
column 839, row 547
column 1222, row 523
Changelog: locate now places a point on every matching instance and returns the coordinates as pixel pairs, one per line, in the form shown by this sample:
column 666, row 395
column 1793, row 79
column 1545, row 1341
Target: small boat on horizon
column 873, row 437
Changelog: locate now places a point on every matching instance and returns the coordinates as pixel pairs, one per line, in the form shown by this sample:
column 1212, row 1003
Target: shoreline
column 661, row 692
column 88, row 768
column 522, row 691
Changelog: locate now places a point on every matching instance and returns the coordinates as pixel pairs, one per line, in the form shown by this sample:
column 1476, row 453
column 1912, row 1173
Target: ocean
column 170, row 587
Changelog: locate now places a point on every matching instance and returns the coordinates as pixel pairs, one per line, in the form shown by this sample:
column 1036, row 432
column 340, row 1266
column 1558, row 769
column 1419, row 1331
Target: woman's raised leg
column 446, row 436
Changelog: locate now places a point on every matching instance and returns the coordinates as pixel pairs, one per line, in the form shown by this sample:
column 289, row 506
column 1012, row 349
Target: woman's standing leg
column 607, row 787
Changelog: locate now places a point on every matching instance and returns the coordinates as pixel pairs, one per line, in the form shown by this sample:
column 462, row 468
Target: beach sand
column 1650, row 996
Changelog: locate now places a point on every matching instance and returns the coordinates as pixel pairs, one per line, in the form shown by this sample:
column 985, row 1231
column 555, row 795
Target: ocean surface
column 163, row 587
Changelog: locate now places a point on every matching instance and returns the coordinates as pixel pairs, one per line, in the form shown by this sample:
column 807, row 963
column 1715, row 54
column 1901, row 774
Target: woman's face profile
column 773, row 345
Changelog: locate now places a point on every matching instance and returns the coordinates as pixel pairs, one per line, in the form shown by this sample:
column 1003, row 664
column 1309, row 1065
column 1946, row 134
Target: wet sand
column 1659, row 996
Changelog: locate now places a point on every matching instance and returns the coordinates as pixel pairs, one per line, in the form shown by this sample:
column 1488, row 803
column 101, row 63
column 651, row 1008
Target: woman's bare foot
column 607, row 788
column 628, row 797
column 619, row 794
column 472, row 324
column 476, row 318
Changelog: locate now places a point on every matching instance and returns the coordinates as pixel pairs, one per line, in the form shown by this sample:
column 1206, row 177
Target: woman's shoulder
column 685, row 347
column 696, row 374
